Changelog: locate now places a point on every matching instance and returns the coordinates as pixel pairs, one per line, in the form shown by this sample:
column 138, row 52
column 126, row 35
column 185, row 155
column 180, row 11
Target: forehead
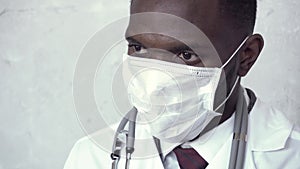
column 202, row 13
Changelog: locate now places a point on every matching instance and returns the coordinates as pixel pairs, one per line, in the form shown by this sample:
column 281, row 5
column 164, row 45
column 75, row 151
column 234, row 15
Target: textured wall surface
column 41, row 40
column 275, row 77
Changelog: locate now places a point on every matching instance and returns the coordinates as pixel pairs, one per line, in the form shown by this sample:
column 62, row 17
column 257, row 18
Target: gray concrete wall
column 41, row 40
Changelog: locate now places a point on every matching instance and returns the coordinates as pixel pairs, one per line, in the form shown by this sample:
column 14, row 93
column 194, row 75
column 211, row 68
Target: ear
column 250, row 52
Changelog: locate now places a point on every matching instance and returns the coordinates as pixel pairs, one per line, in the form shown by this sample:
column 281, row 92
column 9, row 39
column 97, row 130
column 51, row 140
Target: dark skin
column 218, row 28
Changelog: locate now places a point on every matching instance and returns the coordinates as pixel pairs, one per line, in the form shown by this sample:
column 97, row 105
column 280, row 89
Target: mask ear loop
column 237, row 79
column 231, row 91
column 235, row 52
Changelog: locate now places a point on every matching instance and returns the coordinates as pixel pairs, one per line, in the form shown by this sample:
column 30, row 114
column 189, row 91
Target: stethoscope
column 130, row 137
column 237, row 154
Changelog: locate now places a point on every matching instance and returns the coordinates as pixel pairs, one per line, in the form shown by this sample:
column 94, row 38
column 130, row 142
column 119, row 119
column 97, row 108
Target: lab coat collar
column 268, row 128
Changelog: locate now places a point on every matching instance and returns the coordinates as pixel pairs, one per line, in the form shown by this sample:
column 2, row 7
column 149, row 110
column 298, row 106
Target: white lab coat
column 273, row 143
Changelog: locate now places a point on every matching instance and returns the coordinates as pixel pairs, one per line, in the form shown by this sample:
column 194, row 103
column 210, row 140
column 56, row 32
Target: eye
column 136, row 48
column 189, row 57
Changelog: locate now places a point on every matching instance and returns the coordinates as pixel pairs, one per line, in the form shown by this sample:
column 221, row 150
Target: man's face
column 203, row 14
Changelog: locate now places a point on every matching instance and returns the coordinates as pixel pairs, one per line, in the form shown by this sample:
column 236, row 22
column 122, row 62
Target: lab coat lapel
column 268, row 132
column 268, row 128
column 221, row 160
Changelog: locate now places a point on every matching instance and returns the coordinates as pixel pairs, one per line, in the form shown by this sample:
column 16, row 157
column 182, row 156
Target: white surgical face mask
column 175, row 100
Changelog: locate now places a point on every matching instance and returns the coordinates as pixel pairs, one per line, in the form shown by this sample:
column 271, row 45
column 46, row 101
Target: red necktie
column 188, row 158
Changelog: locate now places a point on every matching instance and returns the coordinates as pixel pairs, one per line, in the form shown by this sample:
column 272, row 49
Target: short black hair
column 241, row 12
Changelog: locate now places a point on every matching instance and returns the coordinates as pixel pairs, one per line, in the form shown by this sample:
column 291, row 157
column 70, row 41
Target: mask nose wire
column 235, row 52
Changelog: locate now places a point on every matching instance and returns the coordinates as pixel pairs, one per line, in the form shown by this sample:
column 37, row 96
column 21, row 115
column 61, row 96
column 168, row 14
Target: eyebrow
column 175, row 49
